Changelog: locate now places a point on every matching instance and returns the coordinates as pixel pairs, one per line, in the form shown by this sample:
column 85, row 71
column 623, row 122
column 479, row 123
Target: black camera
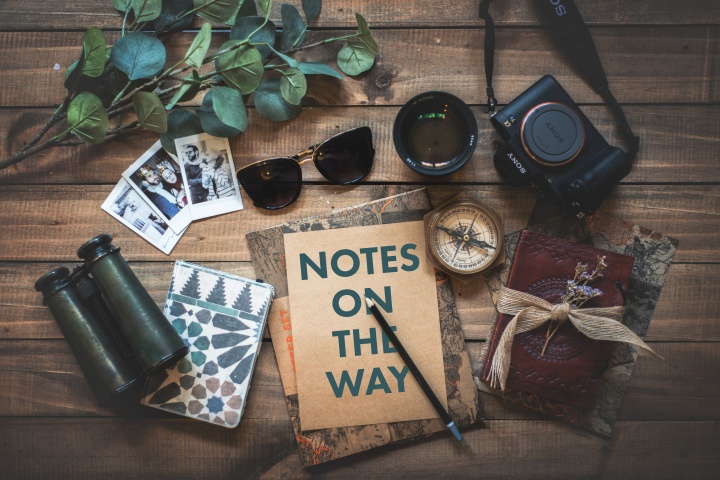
column 551, row 145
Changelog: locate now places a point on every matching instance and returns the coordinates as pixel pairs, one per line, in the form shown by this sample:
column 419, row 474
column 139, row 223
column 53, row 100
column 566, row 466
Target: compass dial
column 465, row 237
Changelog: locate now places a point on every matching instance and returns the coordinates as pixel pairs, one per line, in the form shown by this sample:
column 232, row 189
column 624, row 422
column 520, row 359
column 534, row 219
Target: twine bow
column 531, row 312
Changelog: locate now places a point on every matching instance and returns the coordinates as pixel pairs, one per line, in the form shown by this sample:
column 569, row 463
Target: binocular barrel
column 153, row 341
column 100, row 359
column 113, row 326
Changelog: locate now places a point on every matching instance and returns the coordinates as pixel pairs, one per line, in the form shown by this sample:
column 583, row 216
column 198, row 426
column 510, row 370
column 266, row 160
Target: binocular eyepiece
column 114, row 328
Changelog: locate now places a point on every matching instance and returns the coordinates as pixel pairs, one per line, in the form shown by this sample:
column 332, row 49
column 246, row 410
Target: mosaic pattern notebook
column 221, row 318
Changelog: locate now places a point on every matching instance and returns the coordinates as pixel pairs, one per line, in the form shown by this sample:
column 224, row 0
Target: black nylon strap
column 597, row 82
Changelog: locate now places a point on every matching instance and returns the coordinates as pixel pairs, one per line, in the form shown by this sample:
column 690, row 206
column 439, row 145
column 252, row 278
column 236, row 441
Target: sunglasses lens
column 273, row 183
column 346, row 158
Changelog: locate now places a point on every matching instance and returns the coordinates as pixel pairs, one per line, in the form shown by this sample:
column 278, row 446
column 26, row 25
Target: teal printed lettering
column 377, row 382
column 341, row 334
column 368, row 252
column 414, row 260
column 339, row 390
column 387, row 346
column 336, row 259
column 399, row 376
column 385, row 304
column 305, row 261
column 359, row 342
column 386, row 258
column 346, row 293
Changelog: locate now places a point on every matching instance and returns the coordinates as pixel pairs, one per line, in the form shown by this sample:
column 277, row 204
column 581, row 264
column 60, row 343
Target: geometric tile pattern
column 221, row 318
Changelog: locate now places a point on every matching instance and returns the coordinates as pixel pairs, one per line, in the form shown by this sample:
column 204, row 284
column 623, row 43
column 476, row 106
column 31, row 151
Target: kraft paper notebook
column 325, row 444
column 652, row 252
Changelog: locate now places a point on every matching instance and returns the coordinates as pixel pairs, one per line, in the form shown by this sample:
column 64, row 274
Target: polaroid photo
column 129, row 208
column 209, row 175
column 158, row 178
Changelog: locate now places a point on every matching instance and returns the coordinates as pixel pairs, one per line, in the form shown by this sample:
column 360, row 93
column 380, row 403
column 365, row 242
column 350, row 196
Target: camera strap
column 574, row 39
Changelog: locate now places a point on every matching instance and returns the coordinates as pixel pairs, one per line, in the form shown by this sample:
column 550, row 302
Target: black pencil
column 414, row 370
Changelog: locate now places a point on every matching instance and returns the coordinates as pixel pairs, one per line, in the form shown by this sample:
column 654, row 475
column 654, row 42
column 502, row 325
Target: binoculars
column 114, row 328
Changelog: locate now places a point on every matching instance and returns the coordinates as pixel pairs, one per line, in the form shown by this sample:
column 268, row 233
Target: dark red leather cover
column 569, row 369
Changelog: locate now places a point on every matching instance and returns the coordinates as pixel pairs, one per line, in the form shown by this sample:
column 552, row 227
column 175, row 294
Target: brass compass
column 464, row 237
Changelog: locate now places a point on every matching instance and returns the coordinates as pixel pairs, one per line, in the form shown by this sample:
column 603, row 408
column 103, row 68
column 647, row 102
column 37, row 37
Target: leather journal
column 571, row 367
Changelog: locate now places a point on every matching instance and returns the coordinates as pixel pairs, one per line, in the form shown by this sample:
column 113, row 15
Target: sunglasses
column 275, row 183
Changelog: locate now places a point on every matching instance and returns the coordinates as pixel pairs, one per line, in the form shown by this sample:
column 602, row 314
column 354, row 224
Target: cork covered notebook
column 323, row 445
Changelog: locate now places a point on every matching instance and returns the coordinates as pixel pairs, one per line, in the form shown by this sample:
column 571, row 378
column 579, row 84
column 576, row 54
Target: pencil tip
column 369, row 302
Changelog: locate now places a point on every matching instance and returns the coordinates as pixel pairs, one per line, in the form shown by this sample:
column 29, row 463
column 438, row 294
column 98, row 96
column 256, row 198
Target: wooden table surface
column 663, row 61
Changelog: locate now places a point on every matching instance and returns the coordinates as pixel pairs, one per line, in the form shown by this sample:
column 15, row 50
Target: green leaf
column 196, row 53
column 146, row 10
column 217, row 11
column 265, row 7
column 229, row 107
column 293, row 85
column 312, row 9
column 247, row 25
column 355, row 58
column 292, row 63
column 365, row 36
column 187, row 91
column 210, row 121
column 94, row 46
column 315, row 68
column 171, row 9
column 270, row 103
column 180, row 123
column 138, row 55
column 293, row 33
column 150, row 112
column 122, row 5
column 87, row 118
column 247, row 9
column 72, row 73
column 241, row 68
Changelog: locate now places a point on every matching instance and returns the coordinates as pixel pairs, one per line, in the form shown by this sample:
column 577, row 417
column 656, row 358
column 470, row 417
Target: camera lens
column 552, row 134
column 435, row 133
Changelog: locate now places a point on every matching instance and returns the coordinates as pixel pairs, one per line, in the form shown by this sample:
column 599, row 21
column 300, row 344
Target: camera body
column 551, row 145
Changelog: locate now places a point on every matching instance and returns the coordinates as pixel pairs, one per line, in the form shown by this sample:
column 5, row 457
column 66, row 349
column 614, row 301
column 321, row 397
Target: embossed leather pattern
column 572, row 363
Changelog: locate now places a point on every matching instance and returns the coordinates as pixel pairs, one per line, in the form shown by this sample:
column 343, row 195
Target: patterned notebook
column 328, row 444
column 221, row 318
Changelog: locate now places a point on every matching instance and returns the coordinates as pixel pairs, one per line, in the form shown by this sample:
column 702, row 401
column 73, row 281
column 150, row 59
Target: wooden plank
column 166, row 449
column 644, row 65
column 48, row 223
column 678, row 145
column 41, row 378
column 687, row 309
column 53, row 15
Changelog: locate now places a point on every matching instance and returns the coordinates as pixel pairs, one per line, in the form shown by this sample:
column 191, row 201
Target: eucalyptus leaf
column 355, row 58
column 150, row 112
column 270, row 103
column 293, row 85
column 196, row 53
column 293, row 33
column 210, row 121
column 292, row 63
column 122, row 5
column 315, row 68
column 312, row 9
column 180, row 123
column 72, row 73
column 265, row 7
column 138, row 55
column 365, row 36
column 247, row 9
column 187, row 91
column 87, row 118
column 218, row 11
column 171, row 9
column 94, row 46
column 146, row 10
column 229, row 107
column 241, row 68
column 245, row 26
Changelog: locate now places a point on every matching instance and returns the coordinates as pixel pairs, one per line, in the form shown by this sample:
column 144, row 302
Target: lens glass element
column 273, row 183
column 347, row 157
column 435, row 133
